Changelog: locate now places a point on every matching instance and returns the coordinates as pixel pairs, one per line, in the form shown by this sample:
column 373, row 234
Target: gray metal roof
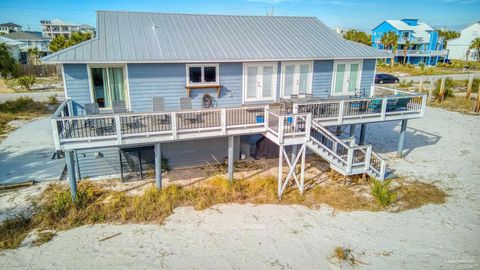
column 159, row 37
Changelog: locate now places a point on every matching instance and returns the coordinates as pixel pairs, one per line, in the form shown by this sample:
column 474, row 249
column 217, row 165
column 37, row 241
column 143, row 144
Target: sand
column 443, row 147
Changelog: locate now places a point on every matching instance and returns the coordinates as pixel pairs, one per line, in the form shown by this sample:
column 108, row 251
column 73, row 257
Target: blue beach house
column 425, row 44
column 197, row 89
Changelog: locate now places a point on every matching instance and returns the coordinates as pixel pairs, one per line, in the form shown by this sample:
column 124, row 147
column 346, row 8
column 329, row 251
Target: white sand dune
column 442, row 147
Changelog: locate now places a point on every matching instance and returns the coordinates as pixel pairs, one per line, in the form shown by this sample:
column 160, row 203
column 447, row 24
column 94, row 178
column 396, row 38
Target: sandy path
column 440, row 147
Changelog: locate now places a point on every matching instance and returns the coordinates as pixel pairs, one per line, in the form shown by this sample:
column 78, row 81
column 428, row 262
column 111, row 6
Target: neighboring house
column 231, row 71
column 458, row 47
column 56, row 27
column 13, row 47
column 29, row 41
column 10, row 27
column 425, row 44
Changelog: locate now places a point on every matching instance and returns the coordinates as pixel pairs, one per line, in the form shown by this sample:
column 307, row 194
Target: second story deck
column 130, row 129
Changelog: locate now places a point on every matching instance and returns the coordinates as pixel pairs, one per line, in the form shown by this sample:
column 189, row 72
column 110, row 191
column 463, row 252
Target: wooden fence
column 39, row 70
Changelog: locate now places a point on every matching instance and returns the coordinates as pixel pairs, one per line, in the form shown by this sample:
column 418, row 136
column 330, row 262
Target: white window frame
column 296, row 75
column 346, row 81
column 259, row 92
column 202, row 66
column 125, row 83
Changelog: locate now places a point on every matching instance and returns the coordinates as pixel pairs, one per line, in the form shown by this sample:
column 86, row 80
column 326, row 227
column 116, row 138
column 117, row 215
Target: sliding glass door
column 296, row 78
column 260, row 80
column 108, row 85
column 346, row 77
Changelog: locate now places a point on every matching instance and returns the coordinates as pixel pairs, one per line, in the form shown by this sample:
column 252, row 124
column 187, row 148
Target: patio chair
column 402, row 104
column 100, row 125
column 158, row 105
column 186, row 104
column 286, row 106
column 375, row 105
column 391, row 105
column 119, row 107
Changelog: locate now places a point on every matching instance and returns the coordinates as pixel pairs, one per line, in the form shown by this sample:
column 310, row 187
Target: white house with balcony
column 56, row 27
column 458, row 47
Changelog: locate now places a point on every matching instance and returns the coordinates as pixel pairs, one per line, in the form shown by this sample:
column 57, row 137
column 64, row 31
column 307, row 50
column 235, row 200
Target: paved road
column 37, row 96
column 26, row 154
column 462, row 76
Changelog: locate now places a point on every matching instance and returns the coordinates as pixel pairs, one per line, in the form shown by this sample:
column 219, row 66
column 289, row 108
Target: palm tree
column 389, row 40
column 33, row 55
column 406, row 46
column 447, row 35
column 475, row 45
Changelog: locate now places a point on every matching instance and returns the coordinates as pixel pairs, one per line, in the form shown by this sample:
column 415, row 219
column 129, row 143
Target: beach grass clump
column 21, row 108
column 55, row 210
column 382, row 192
column 13, row 231
column 345, row 255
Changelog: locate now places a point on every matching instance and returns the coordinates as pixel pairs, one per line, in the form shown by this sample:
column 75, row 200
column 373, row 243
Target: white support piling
column 158, row 166
column 280, row 170
column 69, row 159
column 230, row 157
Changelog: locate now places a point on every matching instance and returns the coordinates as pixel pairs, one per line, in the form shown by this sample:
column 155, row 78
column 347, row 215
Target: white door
column 346, row 77
column 296, row 78
column 260, row 81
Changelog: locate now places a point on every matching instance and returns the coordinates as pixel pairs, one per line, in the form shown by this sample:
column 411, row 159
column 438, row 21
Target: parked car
column 381, row 78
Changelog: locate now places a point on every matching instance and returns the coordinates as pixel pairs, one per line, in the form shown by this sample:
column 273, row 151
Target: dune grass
column 456, row 104
column 23, row 108
column 55, row 210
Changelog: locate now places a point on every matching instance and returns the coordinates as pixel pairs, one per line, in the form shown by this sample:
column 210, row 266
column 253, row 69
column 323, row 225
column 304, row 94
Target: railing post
column 424, row 105
column 56, row 138
column 174, row 125
column 308, row 126
column 70, row 107
column 368, row 156
column 349, row 160
column 281, row 120
column 223, row 121
column 118, row 126
column 383, row 167
column 340, row 112
column 265, row 117
column 372, row 90
column 384, row 108
column 295, row 108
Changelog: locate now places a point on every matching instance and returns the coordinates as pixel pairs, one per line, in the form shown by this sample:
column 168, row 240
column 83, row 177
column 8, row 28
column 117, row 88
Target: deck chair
column 158, row 105
column 186, row 104
column 119, row 107
column 100, row 126
column 91, row 109
column 375, row 105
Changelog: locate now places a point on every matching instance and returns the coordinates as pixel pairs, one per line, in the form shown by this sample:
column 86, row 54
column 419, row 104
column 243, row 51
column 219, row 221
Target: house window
column 202, row 74
column 108, row 85
column 405, row 35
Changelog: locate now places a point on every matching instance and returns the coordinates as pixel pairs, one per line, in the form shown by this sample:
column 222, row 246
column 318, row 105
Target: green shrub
column 21, row 105
column 52, row 100
column 421, row 65
column 405, row 84
column 381, row 190
column 26, row 81
column 448, row 91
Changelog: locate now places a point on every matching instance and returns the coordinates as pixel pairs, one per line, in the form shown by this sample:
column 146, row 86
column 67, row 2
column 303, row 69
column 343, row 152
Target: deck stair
column 345, row 157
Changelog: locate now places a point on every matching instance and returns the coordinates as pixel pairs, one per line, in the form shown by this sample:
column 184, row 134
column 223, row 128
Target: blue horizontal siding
column 168, row 81
column 106, row 164
column 368, row 75
column 76, row 82
column 322, row 78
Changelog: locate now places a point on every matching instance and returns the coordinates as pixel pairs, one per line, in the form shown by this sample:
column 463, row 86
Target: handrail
column 60, row 108
column 330, row 134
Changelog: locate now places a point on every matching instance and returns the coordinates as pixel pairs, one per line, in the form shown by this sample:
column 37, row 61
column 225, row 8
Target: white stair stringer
column 347, row 159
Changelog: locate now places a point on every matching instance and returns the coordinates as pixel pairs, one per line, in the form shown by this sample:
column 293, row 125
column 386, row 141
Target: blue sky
column 363, row 15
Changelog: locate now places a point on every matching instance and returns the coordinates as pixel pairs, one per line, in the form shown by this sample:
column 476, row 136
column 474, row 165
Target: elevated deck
column 129, row 129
